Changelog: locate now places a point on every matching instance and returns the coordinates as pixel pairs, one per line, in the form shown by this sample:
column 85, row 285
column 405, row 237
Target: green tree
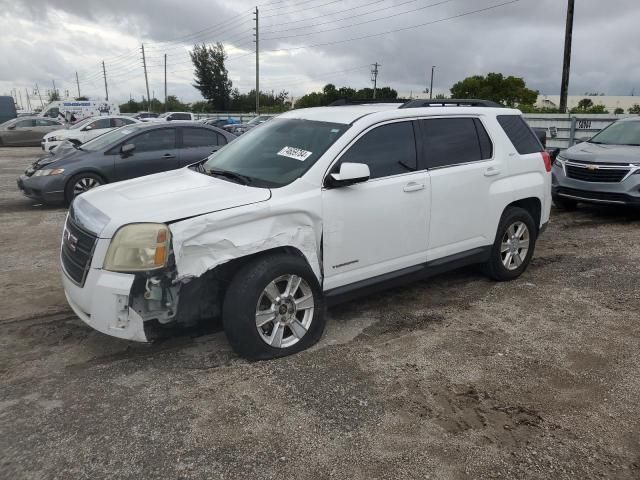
column 618, row 111
column 330, row 94
column 510, row 91
column 211, row 75
column 82, row 99
column 585, row 104
column 54, row 96
column 635, row 109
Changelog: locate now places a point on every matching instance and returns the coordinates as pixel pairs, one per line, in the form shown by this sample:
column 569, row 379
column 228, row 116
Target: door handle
column 413, row 187
column 168, row 156
column 491, row 172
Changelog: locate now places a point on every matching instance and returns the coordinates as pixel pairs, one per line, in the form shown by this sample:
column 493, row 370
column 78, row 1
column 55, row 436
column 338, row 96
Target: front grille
column 76, row 251
column 608, row 175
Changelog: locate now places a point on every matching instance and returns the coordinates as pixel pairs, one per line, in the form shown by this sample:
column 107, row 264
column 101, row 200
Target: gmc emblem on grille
column 592, row 167
column 70, row 240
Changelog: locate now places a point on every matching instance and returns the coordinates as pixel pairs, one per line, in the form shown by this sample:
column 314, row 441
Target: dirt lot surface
column 455, row 377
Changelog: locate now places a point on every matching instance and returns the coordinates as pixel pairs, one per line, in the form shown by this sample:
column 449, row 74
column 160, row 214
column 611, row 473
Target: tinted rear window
column 451, row 141
column 520, row 134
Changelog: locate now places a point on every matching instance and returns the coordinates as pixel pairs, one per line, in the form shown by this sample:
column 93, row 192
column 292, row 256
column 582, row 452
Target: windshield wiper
column 242, row 179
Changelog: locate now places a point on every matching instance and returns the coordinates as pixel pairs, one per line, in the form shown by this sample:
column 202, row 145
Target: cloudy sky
column 308, row 43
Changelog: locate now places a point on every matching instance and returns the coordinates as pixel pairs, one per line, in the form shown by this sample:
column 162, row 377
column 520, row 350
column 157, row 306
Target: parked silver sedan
column 27, row 131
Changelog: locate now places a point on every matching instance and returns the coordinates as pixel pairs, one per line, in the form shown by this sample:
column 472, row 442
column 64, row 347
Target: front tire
column 514, row 245
column 81, row 183
column 273, row 307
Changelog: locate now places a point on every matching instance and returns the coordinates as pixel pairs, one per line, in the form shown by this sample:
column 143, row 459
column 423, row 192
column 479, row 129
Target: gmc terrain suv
column 307, row 209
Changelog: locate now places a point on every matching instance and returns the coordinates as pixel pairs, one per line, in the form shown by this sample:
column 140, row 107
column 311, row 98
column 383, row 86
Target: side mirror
column 554, row 153
column 87, row 128
column 169, row 118
column 127, row 149
column 11, row 127
column 584, row 139
column 350, row 174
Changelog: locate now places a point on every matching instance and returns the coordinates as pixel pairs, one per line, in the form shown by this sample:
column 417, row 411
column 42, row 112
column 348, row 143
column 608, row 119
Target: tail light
column 547, row 160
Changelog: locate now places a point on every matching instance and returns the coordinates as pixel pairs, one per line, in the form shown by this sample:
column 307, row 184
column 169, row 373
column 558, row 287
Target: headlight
column 138, row 247
column 559, row 161
column 52, row 139
column 48, row 171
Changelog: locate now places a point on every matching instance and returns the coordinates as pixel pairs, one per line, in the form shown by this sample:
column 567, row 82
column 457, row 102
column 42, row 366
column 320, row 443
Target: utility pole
column 26, row 93
column 566, row 64
column 54, row 87
column 146, row 77
column 374, row 77
column 20, row 96
column 165, row 82
column 78, row 84
column 104, row 74
column 40, row 96
column 257, row 35
column 433, row 67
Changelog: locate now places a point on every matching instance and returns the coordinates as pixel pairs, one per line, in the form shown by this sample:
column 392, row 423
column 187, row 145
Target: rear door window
column 198, row 137
column 161, row 139
column 520, row 134
column 180, row 116
column 387, row 150
column 453, row 141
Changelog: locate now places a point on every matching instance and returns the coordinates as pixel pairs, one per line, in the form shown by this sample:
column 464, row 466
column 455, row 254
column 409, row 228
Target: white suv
column 307, row 209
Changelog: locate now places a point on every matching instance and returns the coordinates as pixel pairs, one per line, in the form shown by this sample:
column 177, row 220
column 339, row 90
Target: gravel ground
column 455, row 377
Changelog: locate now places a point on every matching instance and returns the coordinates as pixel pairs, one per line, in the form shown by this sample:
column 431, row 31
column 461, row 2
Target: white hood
column 166, row 197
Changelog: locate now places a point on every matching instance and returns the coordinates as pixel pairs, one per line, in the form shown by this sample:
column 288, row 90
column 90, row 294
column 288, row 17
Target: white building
column 610, row 102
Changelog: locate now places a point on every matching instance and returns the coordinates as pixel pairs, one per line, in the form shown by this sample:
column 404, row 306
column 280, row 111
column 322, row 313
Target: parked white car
column 169, row 116
column 313, row 207
column 85, row 130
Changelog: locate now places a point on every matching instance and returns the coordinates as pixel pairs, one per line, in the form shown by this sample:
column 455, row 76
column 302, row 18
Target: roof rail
column 449, row 102
column 341, row 102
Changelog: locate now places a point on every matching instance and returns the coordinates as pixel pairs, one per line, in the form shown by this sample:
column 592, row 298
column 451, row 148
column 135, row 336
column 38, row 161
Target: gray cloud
column 50, row 39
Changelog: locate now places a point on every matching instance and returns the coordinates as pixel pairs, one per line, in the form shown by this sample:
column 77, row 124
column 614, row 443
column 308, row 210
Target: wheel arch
column 533, row 205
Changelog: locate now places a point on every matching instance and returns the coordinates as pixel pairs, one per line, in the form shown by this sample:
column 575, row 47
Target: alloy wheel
column 85, row 184
column 515, row 245
column 284, row 311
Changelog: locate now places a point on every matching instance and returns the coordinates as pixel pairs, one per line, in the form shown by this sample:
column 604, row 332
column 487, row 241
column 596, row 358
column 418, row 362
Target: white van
column 75, row 110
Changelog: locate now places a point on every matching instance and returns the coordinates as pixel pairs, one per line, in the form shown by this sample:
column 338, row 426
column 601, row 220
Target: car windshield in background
column 278, row 152
column 103, row 141
column 81, row 123
column 619, row 133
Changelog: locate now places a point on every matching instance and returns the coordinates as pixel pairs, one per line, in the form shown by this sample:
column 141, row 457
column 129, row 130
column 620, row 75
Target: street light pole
column 433, row 67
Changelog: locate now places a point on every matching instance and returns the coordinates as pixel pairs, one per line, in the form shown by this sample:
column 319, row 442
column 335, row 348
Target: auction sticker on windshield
column 295, row 153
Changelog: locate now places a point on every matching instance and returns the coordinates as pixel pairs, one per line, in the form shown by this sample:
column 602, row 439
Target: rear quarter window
column 520, row 134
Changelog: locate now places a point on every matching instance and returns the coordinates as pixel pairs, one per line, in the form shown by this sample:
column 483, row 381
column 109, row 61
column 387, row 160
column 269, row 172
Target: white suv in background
column 169, row 116
column 85, row 130
column 311, row 208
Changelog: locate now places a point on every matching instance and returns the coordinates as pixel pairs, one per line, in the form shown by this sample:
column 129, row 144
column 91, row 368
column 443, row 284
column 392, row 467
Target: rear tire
column 514, row 245
column 81, row 183
column 273, row 307
column 564, row 203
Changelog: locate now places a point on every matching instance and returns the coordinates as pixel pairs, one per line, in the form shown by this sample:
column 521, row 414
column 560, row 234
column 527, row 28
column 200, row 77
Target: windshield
column 277, row 152
column 81, row 123
column 164, row 115
column 105, row 140
column 619, row 133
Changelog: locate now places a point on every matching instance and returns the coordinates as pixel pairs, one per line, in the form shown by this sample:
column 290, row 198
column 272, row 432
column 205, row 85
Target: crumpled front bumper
column 103, row 304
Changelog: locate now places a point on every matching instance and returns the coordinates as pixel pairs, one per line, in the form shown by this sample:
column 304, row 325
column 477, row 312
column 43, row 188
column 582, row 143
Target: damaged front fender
column 205, row 242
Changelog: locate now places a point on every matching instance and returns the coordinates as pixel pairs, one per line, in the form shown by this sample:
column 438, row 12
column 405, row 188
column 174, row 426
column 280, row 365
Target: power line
column 335, row 13
column 304, row 9
column 440, row 20
column 364, row 22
